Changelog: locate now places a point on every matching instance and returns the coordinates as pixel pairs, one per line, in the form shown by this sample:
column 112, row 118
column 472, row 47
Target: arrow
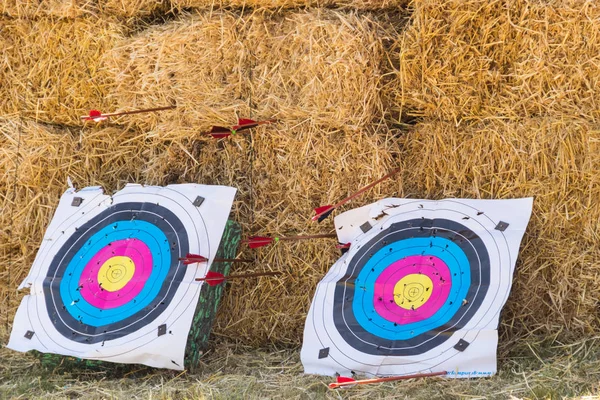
column 97, row 116
column 344, row 381
column 324, row 211
column 195, row 258
column 219, row 132
column 216, row 278
column 259, row 241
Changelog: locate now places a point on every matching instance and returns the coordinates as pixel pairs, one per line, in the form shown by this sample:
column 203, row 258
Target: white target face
column 420, row 289
column 107, row 283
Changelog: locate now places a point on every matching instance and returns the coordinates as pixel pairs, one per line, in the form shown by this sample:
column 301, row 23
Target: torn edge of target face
column 420, row 289
column 107, row 283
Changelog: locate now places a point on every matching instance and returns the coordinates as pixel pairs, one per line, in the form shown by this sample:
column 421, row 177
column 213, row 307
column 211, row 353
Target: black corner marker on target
column 76, row 201
column 501, row 226
column 323, row 353
column 461, row 345
column 198, row 202
column 366, row 227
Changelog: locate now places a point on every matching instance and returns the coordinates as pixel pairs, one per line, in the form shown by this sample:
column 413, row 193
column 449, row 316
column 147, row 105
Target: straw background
column 478, row 99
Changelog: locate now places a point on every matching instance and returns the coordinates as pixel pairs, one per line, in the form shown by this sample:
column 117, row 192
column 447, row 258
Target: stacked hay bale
column 317, row 68
column 284, row 4
column 320, row 73
column 108, row 9
column 509, row 98
column 504, row 95
column 51, row 68
column 462, row 61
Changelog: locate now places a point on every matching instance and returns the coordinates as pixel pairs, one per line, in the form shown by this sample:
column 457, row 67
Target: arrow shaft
column 240, row 276
column 267, row 273
column 306, row 237
column 388, row 379
column 133, row 112
column 193, row 260
column 361, row 191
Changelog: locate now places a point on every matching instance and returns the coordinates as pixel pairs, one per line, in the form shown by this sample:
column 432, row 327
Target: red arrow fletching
column 94, row 115
column 341, row 380
column 219, row 132
column 193, row 258
column 244, row 124
column 213, row 278
column 255, row 242
column 322, row 212
column 322, row 209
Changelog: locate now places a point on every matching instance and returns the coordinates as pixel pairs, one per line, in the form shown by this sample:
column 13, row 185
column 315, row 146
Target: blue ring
column 446, row 250
column 144, row 231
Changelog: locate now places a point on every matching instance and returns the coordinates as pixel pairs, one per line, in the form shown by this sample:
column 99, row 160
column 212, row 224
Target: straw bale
column 132, row 11
column 50, row 69
column 34, row 8
column 77, row 8
column 284, row 4
column 556, row 160
column 500, row 59
column 319, row 67
column 198, row 63
column 322, row 67
column 128, row 9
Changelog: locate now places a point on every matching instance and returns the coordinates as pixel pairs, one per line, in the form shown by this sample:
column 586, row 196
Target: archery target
column 107, row 282
column 419, row 290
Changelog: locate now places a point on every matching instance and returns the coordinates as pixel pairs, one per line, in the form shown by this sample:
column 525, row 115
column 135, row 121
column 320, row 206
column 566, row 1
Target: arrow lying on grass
column 195, row 258
column 97, row 116
column 219, row 132
column 325, row 211
column 259, row 241
column 344, row 381
column 216, row 278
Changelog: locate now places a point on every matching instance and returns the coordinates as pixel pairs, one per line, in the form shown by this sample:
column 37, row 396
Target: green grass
column 542, row 371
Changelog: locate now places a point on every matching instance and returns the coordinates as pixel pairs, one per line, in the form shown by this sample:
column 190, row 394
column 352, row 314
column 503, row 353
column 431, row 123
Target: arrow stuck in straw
column 215, row 278
column 343, row 381
column 324, row 211
column 259, row 241
column 98, row 116
column 196, row 258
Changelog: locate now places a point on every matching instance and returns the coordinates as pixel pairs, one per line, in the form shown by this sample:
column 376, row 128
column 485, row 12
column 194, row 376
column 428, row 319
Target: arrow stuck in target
column 325, row 211
column 343, row 381
column 219, row 132
column 98, row 116
column 215, row 278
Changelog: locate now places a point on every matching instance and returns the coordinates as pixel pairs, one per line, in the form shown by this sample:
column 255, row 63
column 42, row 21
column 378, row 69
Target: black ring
column 475, row 251
column 76, row 330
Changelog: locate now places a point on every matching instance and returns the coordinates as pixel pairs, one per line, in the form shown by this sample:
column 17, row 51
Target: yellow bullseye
column 115, row 273
column 412, row 291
